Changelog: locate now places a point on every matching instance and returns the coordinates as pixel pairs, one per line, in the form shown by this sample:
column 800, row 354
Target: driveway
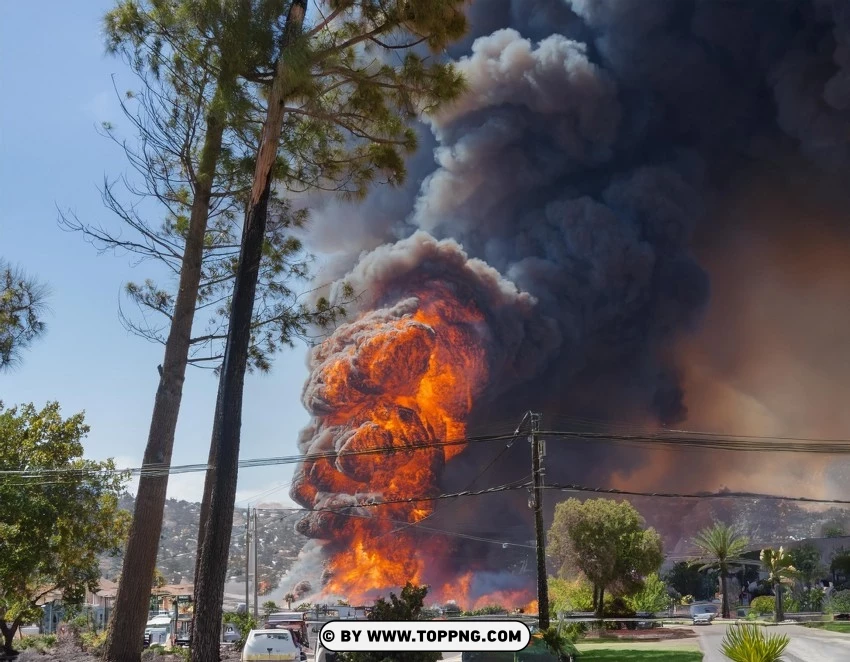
column 806, row 645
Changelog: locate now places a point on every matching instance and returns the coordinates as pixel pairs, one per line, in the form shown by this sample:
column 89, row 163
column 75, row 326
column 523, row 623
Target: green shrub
column 40, row 643
column 93, row 642
column 748, row 643
column 244, row 623
column 764, row 604
column 567, row 596
column 652, row 597
column 839, row 603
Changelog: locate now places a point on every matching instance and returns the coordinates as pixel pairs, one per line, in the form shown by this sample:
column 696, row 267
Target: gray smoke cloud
column 585, row 159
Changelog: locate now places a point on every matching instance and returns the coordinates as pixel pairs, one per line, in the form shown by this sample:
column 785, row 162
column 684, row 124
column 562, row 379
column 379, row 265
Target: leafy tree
column 839, row 603
column 365, row 114
column 405, row 607
column 607, row 542
column 653, row 597
column 722, row 549
column 244, row 622
column 269, row 607
column 22, row 305
column 289, row 598
column 840, row 564
column 686, row 579
column 569, row 596
column 59, row 513
column 158, row 579
column 780, row 571
column 807, row 560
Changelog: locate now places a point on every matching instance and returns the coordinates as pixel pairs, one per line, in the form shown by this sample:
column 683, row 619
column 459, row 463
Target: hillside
column 279, row 543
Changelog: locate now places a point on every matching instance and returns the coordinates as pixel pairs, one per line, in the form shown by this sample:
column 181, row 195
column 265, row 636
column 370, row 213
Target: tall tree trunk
column 778, row 607
column 724, row 591
column 130, row 614
column 600, row 605
column 8, row 632
column 220, row 486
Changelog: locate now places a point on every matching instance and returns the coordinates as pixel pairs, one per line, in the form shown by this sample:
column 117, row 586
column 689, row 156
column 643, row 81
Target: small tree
column 244, row 622
column 406, row 607
column 607, row 542
column 807, row 560
column 269, row 607
column 779, row 571
column 22, row 303
column 289, row 598
column 59, row 513
column 722, row 548
column 653, row 597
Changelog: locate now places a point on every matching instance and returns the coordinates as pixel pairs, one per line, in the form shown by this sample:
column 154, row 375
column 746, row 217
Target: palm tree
column 721, row 547
column 290, row 598
column 779, row 571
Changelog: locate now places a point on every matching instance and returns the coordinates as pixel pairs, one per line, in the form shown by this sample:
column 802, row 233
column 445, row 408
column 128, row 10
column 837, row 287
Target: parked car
column 231, row 634
column 270, row 645
column 703, row 619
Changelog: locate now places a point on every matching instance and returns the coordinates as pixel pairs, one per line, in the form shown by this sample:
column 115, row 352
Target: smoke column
column 584, row 202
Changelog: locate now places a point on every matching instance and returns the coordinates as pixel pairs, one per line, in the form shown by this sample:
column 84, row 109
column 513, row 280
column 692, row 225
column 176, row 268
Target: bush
column 244, row 622
column 652, row 597
column 571, row 596
column 38, row 643
column 762, row 605
column 748, row 643
column 839, row 603
column 92, row 642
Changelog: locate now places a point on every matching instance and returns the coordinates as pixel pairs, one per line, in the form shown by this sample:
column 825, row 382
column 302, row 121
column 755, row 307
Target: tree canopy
column 607, row 542
column 721, row 547
column 22, row 307
column 404, row 607
column 57, row 516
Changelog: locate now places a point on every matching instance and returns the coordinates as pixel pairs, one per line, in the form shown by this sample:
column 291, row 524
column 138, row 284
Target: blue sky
column 56, row 87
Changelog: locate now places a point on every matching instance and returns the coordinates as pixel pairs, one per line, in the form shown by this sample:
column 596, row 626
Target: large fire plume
column 390, row 392
column 589, row 206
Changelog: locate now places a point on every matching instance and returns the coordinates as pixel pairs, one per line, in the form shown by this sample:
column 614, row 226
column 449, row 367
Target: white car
column 704, row 618
column 270, row 645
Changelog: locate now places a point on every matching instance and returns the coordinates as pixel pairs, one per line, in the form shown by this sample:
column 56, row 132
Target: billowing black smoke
column 594, row 139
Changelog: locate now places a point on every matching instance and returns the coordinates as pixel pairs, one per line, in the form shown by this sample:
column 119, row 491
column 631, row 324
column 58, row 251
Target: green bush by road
column 638, row 655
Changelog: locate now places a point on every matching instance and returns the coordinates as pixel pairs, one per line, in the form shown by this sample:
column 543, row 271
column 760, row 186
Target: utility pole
column 247, row 553
column 538, row 450
column 256, row 566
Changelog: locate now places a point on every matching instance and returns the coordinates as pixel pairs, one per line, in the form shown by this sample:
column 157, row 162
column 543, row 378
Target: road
column 806, row 645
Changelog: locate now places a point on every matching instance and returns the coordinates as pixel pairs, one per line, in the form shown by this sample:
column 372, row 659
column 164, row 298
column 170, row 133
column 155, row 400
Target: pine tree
column 323, row 73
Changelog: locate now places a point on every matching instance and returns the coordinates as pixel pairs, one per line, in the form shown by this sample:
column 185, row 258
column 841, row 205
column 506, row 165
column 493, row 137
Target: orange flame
column 383, row 384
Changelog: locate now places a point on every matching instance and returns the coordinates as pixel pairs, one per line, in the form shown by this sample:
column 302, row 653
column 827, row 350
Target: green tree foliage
column 269, row 607
column 780, row 570
column 244, row 622
column 606, row 541
column 833, row 530
column 764, row 604
column 748, row 643
column 289, row 598
column 652, row 597
column 57, row 518
column 721, row 549
column 839, row 602
column 686, row 579
column 570, row 596
column 404, row 607
column 840, row 564
column 807, row 560
column 22, row 307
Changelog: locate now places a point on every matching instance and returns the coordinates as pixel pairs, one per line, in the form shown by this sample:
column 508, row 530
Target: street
column 806, row 645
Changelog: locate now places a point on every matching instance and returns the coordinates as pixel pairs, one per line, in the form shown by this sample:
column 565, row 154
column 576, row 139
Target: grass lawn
column 838, row 626
column 639, row 655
